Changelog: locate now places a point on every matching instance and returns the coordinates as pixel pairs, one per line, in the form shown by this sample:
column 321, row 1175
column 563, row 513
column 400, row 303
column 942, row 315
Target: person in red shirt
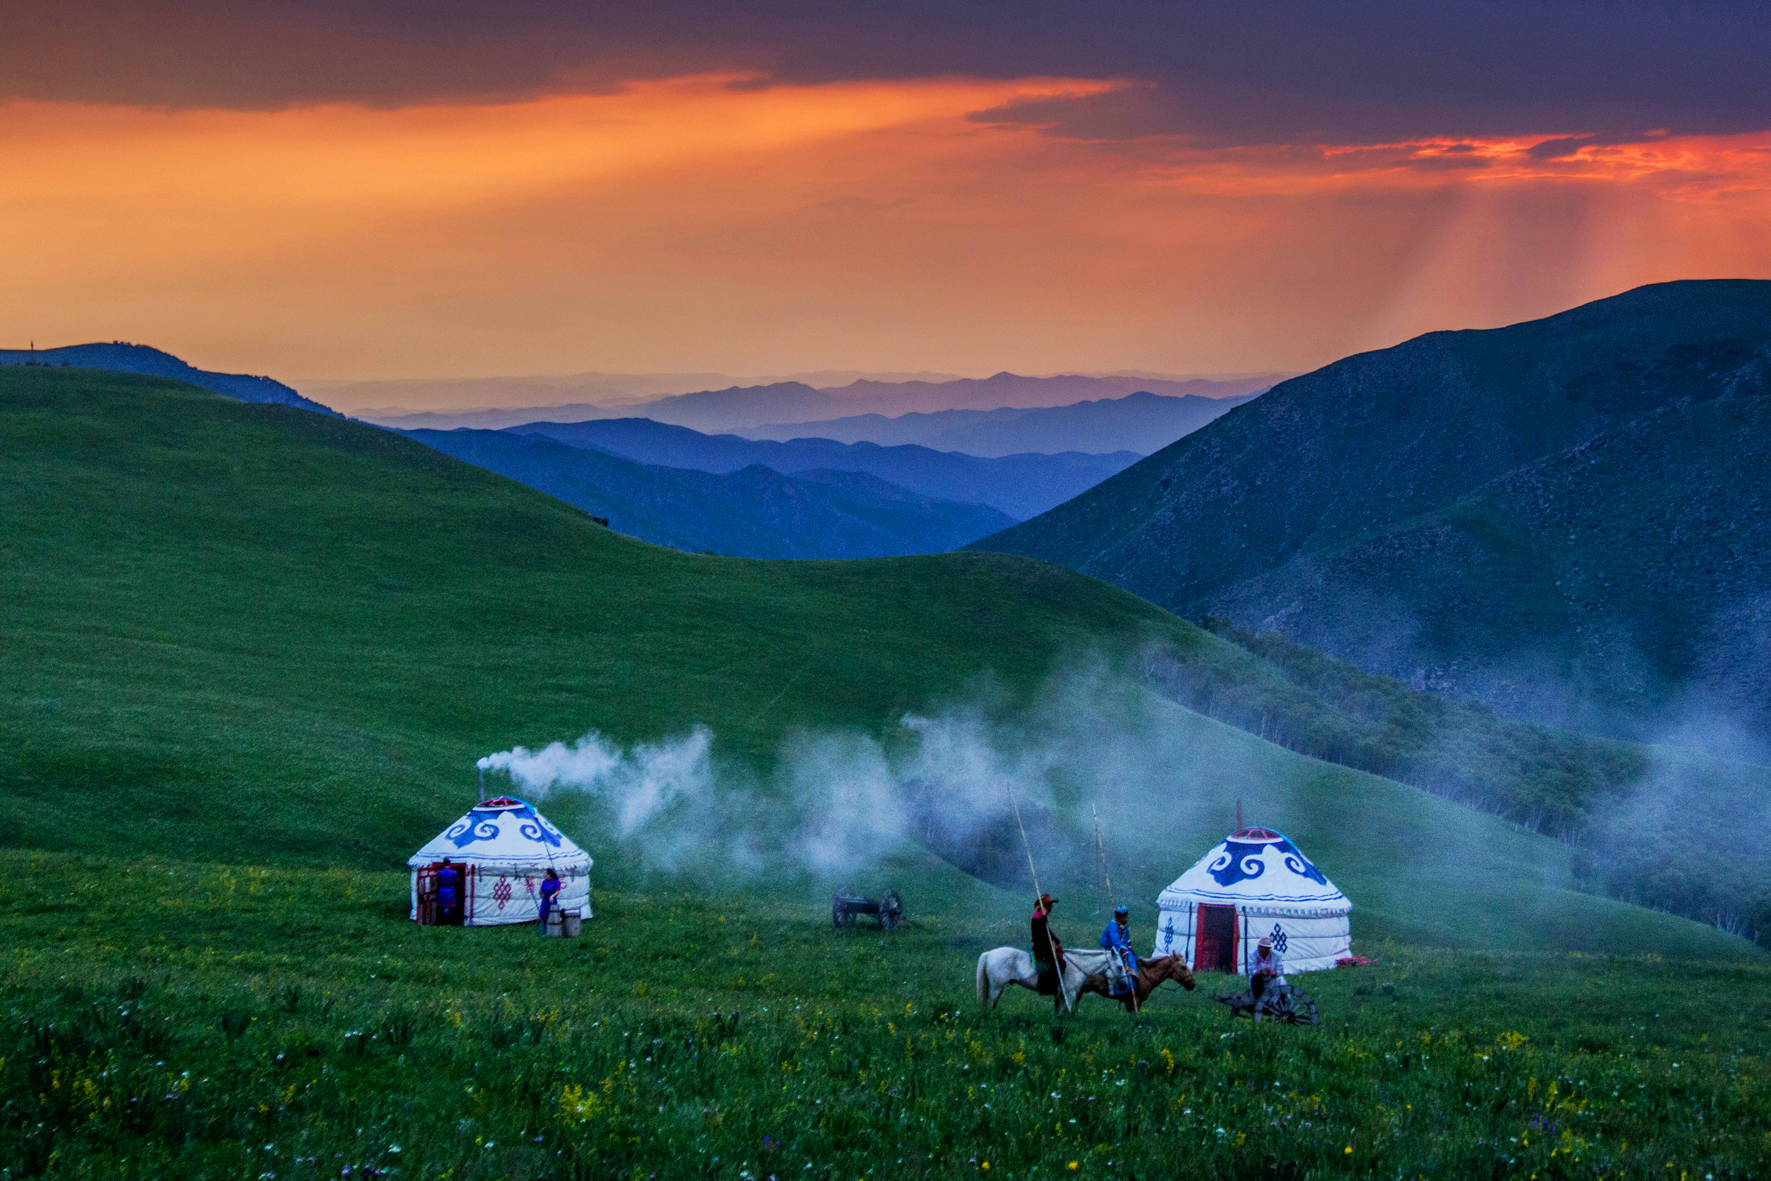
column 1048, row 952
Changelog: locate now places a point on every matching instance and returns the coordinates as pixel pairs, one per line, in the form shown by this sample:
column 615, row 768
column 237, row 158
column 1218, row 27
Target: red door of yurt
column 1216, row 951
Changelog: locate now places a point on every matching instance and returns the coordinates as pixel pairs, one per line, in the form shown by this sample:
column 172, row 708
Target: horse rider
column 1048, row 953
column 1116, row 941
column 1265, row 967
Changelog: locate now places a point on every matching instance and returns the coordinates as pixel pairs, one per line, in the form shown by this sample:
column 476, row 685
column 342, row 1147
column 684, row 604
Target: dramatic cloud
column 344, row 189
column 1224, row 73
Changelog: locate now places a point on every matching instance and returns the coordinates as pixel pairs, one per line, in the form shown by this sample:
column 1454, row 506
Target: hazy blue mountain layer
column 121, row 357
column 738, row 408
column 753, row 512
column 1566, row 517
column 1141, row 423
column 1019, row 485
column 742, row 407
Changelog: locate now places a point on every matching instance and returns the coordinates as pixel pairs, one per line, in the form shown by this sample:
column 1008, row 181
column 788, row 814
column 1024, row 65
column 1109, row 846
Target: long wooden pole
column 1027, row 848
column 1101, row 848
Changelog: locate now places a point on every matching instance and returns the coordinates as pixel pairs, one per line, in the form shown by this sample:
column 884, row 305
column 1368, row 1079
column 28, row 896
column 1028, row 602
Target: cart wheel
column 1290, row 1006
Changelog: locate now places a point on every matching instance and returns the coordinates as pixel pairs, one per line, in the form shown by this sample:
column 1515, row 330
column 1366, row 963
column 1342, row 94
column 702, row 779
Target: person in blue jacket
column 1116, row 939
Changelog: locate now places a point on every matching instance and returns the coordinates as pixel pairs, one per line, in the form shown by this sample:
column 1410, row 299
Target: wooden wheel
column 1287, row 1004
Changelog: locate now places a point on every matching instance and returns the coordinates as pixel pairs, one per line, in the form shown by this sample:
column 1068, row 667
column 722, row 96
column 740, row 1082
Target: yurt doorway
column 444, row 915
column 1217, row 939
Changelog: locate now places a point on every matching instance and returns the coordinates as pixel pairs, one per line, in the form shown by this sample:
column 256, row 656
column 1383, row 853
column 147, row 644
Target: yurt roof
column 504, row 831
column 1258, row 867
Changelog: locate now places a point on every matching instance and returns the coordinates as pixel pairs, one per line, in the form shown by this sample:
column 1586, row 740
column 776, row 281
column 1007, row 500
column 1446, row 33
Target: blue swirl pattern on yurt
column 477, row 825
column 1242, row 860
column 537, row 829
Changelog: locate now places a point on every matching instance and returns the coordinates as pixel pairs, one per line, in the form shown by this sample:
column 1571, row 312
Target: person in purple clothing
column 550, row 896
column 448, row 895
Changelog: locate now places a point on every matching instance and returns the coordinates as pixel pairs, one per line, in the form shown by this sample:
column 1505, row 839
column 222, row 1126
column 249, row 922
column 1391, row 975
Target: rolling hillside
column 1018, row 485
column 246, row 634
column 121, row 357
column 752, row 511
column 1565, row 518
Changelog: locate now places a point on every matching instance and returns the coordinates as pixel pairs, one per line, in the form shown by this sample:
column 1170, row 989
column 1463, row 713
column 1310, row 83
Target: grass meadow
column 170, row 1019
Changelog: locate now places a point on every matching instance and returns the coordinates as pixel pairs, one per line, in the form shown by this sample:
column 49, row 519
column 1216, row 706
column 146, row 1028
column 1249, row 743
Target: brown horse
column 1150, row 973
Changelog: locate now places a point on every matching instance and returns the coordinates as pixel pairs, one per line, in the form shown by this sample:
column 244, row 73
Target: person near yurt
column 1255, row 887
column 500, row 852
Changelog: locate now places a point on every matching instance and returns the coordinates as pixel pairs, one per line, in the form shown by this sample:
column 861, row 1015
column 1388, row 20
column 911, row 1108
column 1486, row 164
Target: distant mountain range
column 753, row 512
column 1142, row 422
column 742, row 408
column 1018, row 485
column 139, row 358
column 1557, row 517
column 385, row 399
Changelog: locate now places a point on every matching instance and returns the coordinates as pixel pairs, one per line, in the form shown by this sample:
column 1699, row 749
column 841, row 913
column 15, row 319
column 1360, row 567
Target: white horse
column 1002, row 966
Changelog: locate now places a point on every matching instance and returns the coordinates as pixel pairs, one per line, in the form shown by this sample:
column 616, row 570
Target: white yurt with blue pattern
column 505, row 848
column 1254, row 884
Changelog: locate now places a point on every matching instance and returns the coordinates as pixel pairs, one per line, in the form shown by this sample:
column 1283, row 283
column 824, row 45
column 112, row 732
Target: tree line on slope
column 1658, row 827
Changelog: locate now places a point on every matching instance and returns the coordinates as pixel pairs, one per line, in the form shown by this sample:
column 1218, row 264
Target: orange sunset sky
column 733, row 208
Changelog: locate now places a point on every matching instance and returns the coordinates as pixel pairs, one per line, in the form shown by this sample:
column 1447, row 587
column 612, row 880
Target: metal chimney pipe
column 482, row 796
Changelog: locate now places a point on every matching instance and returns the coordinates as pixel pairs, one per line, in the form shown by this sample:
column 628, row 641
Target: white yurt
column 502, row 849
column 1255, row 883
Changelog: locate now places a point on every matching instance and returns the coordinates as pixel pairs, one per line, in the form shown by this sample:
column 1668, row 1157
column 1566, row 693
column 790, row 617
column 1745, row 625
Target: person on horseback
column 1116, row 941
column 1048, row 953
column 1266, row 966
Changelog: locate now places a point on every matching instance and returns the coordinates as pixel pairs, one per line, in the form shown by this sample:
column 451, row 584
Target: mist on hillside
column 1660, row 826
column 1676, row 817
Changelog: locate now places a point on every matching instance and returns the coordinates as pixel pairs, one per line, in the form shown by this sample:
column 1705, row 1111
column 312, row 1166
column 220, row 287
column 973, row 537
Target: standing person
column 1048, row 953
column 550, row 895
column 448, row 899
column 1265, row 968
column 1116, row 941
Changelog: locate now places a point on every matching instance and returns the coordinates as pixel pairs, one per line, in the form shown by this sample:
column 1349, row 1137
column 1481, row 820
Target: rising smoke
column 835, row 801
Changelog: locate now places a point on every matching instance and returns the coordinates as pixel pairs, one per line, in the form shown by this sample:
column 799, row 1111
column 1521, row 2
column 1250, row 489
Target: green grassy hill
column 243, row 633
